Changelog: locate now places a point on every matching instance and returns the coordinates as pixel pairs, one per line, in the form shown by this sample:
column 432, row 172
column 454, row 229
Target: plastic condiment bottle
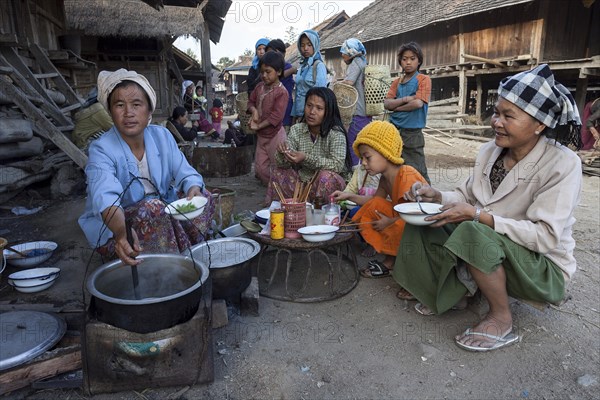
column 332, row 213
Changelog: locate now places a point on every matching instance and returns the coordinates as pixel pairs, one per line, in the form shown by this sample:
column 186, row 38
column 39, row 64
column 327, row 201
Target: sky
column 247, row 21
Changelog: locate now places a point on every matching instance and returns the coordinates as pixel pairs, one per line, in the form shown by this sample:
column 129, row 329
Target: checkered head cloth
column 536, row 93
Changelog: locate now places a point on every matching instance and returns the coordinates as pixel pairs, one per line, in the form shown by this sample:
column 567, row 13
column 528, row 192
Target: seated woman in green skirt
column 508, row 230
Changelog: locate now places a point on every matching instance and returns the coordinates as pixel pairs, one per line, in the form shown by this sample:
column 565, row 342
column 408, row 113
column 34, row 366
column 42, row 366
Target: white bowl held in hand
column 318, row 233
column 37, row 253
column 184, row 209
column 411, row 213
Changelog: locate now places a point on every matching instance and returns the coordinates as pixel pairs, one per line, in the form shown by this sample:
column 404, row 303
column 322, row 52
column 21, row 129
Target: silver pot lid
column 27, row 334
column 225, row 252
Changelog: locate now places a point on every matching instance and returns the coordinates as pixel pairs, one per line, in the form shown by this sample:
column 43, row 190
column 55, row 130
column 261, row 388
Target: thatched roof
column 133, row 18
column 385, row 18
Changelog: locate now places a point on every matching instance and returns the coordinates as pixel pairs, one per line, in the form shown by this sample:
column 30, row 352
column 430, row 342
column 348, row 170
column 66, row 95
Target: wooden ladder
column 28, row 93
column 50, row 72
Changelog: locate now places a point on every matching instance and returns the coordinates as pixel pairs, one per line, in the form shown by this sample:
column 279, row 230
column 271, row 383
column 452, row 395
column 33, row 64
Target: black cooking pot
column 229, row 261
column 170, row 288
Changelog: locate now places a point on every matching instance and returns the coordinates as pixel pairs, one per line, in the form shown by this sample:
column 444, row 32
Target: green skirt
column 427, row 260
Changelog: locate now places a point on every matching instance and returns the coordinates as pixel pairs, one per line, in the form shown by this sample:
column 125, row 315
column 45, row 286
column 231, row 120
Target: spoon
column 16, row 251
column 421, row 208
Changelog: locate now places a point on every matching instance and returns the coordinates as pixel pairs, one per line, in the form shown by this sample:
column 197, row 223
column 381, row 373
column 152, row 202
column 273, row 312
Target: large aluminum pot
column 229, row 260
column 170, row 288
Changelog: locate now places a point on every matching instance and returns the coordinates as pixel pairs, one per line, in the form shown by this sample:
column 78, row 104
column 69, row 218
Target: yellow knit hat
column 384, row 138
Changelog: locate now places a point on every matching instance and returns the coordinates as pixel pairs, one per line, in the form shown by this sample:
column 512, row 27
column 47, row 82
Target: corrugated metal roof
column 385, row 18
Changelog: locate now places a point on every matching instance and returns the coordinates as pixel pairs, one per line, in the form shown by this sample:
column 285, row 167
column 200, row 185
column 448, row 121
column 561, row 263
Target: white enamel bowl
column 411, row 213
column 33, row 280
column 318, row 233
column 198, row 201
column 262, row 216
column 40, row 252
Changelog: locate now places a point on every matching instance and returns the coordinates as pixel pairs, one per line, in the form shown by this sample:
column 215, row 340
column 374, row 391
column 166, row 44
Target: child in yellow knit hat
column 379, row 146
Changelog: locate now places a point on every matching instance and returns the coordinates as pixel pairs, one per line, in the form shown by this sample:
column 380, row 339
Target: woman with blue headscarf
column 253, row 73
column 312, row 72
column 354, row 55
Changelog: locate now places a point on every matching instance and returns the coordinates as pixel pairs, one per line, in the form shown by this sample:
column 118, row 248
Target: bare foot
column 389, row 262
column 491, row 326
column 369, row 251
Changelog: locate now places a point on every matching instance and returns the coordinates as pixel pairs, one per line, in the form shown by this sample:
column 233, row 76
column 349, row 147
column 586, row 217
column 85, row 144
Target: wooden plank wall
column 48, row 22
column 145, row 61
column 500, row 33
column 483, row 37
column 570, row 31
column 8, row 20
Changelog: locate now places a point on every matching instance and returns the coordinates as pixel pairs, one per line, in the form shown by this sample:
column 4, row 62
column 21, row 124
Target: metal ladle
column 134, row 271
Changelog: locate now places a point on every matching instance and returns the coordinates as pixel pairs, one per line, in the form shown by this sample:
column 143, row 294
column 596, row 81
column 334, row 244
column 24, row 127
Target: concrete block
column 249, row 301
column 219, row 314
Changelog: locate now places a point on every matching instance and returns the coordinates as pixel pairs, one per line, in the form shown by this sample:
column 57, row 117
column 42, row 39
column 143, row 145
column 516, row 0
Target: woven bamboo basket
column 346, row 99
column 241, row 102
column 377, row 83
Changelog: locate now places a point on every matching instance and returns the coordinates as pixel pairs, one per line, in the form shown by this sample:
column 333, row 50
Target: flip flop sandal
column 423, row 310
column 375, row 269
column 404, row 294
column 499, row 341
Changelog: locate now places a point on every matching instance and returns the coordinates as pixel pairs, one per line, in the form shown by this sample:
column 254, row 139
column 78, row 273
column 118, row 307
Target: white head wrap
column 107, row 81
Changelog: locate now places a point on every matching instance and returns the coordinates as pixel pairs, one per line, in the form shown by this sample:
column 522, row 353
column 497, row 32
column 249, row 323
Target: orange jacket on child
column 388, row 240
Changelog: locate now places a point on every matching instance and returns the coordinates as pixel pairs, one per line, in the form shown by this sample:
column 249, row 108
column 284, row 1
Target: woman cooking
column 132, row 170
column 316, row 145
column 508, row 230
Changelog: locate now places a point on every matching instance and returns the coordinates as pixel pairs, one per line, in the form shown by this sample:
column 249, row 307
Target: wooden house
column 35, row 98
column 50, row 54
column 127, row 34
column 470, row 45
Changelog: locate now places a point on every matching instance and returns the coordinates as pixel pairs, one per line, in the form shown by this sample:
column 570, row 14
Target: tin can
column 277, row 228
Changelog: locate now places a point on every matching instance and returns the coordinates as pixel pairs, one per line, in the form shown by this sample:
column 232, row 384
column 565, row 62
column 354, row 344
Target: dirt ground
column 366, row 344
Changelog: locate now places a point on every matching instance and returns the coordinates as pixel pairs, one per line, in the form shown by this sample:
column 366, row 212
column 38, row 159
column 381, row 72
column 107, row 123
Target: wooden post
column 478, row 105
column 484, row 98
column 581, row 92
column 462, row 75
column 207, row 66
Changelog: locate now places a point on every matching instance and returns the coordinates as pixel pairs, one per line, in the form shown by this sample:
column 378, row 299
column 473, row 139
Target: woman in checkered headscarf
column 507, row 230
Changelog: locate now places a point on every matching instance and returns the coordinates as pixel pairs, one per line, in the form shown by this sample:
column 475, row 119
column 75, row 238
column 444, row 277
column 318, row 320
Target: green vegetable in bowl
column 186, row 208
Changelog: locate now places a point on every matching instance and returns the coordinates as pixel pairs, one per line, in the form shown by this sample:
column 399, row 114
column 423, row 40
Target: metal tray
column 225, row 252
column 27, row 334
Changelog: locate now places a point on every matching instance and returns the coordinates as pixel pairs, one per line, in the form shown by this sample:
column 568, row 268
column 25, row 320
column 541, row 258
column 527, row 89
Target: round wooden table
column 314, row 271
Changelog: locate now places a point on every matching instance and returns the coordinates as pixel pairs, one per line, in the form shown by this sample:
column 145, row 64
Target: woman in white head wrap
column 132, row 171
column 354, row 56
column 508, row 229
